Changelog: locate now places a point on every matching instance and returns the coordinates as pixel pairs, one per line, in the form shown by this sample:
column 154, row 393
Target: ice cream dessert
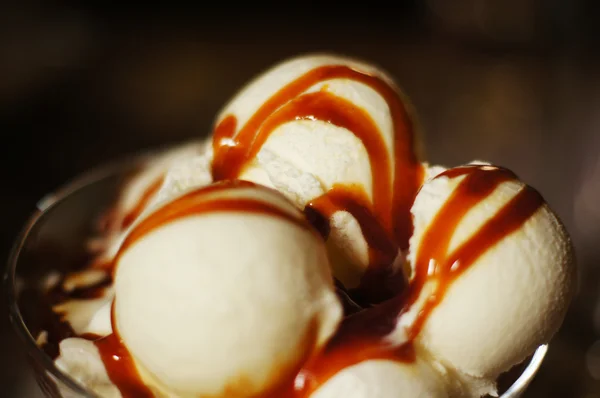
column 307, row 250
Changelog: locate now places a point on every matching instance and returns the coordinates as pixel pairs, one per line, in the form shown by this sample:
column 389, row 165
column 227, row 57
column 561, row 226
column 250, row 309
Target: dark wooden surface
column 513, row 82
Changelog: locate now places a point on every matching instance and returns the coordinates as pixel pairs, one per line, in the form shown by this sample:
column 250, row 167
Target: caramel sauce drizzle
column 195, row 203
column 119, row 363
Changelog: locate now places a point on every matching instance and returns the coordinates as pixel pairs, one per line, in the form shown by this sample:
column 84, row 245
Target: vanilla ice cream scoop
column 223, row 291
column 493, row 271
column 335, row 135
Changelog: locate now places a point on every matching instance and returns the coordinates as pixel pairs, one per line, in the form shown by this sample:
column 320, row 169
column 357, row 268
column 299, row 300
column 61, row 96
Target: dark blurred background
column 515, row 82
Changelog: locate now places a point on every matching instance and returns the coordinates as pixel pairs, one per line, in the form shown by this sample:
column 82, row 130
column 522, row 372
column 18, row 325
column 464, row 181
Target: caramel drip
column 360, row 337
column 379, row 281
column 119, row 364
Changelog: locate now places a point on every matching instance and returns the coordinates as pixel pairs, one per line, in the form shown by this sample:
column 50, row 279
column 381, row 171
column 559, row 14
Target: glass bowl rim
column 45, row 204
column 96, row 174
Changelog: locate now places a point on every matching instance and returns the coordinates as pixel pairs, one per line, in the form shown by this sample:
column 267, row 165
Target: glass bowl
column 54, row 240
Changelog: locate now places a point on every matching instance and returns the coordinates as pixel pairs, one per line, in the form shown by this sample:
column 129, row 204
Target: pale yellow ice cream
column 306, row 157
column 225, row 302
column 512, row 299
